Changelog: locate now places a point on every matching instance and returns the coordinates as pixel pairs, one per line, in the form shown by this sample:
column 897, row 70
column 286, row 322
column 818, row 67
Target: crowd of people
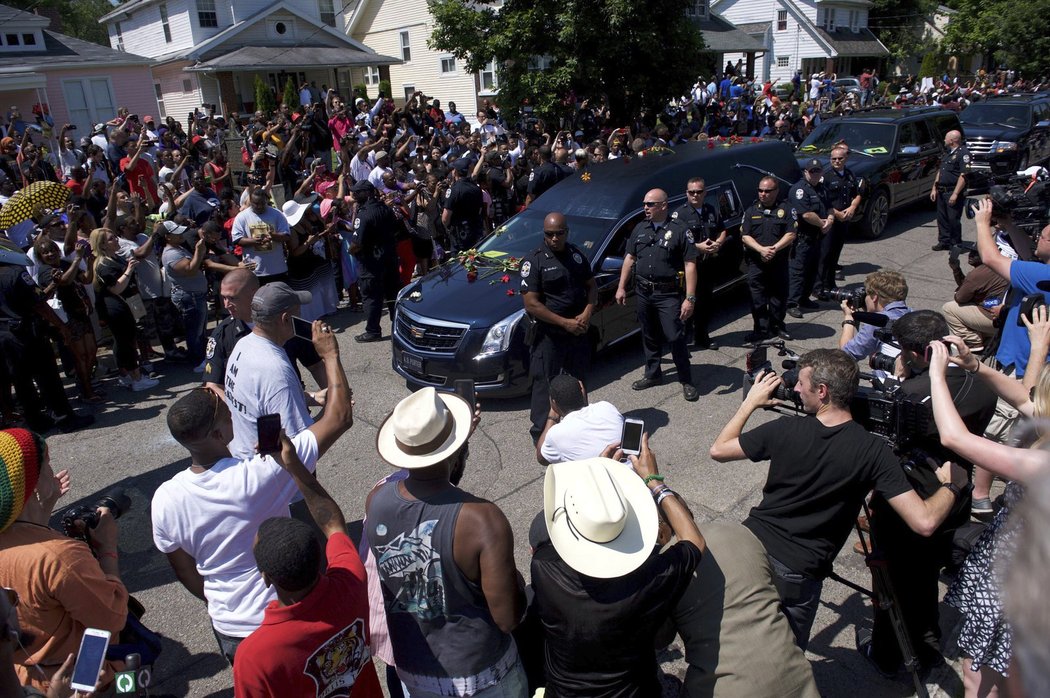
column 154, row 235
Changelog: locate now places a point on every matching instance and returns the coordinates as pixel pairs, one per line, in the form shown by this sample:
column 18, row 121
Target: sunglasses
column 696, row 192
column 554, row 233
column 650, row 204
column 766, row 191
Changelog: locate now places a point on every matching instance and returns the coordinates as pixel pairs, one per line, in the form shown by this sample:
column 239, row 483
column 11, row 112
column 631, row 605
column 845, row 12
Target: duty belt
column 651, row 286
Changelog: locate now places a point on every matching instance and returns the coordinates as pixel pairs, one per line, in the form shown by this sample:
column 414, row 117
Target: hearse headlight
column 498, row 338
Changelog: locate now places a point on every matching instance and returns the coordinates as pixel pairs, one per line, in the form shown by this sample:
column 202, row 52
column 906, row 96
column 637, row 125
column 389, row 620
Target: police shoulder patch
column 689, row 236
column 966, row 158
column 448, row 193
column 674, row 216
column 526, row 267
column 209, row 352
column 800, row 193
column 357, row 223
column 27, row 278
column 576, row 256
column 532, row 176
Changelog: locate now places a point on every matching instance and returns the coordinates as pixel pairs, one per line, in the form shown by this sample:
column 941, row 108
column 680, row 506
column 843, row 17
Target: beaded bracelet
column 655, row 476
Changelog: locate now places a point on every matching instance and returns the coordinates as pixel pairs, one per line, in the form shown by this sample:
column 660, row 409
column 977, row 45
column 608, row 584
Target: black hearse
column 457, row 323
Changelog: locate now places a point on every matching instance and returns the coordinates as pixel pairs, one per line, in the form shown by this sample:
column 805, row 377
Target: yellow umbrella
column 29, row 202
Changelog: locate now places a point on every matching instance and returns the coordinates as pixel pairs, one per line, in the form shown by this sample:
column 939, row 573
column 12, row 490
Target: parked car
column 843, row 85
column 1008, row 133
column 453, row 324
column 896, row 152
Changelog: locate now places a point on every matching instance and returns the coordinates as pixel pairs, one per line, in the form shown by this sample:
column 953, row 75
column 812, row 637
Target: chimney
column 52, row 14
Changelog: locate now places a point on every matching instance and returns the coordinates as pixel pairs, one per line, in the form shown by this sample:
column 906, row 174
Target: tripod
column 885, row 598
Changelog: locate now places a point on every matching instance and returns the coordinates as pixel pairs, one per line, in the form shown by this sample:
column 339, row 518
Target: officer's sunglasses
column 650, row 204
column 553, row 233
column 766, row 191
column 696, row 192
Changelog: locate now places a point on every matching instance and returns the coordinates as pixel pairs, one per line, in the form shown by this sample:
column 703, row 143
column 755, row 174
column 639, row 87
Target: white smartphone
column 631, row 439
column 92, row 654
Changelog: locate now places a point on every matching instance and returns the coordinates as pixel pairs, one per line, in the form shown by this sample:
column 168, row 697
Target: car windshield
column 1005, row 114
column 524, row 233
column 867, row 138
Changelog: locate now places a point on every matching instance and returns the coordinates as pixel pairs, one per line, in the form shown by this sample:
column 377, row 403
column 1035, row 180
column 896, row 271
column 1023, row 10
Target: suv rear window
column 866, row 137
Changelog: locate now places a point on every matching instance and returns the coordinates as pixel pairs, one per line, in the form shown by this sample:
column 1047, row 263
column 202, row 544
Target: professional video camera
column 853, row 295
column 117, row 502
column 1025, row 197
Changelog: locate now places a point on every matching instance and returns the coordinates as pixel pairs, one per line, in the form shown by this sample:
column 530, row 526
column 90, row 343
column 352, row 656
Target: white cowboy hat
column 600, row 516
column 294, row 210
column 424, row 429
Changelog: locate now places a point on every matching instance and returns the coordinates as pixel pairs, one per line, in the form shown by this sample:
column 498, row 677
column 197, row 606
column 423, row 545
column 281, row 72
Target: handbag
column 137, row 307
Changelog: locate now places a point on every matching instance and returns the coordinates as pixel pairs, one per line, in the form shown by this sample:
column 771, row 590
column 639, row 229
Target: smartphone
column 464, row 387
column 268, row 428
column 92, row 653
column 302, row 328
column 952, row 351
column 1028, row 304
column 631, row 439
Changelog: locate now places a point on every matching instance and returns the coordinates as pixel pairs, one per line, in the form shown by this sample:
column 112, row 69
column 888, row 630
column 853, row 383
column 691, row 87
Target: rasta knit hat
column 21, row 452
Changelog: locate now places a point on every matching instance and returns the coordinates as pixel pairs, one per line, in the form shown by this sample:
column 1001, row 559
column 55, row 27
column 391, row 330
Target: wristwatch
column 691, row 299
column 953, row 488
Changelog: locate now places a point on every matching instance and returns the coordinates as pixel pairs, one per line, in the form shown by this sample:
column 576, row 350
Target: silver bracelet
column 664, row 495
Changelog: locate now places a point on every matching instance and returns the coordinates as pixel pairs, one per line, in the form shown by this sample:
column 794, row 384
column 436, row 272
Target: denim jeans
column 193, row 307
column 513, row 685
column 227, row 645
column 799, row 599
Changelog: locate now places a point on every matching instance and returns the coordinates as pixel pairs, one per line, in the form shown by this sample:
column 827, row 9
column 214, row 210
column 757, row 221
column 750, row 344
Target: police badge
column 667, row 235
column 780, row 213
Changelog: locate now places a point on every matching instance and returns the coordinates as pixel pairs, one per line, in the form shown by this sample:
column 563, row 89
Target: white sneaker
column 144, row 383
column 199, row 368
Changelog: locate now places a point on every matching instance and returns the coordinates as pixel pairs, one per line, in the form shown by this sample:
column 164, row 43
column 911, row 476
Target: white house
column 68, row 80
column 209, row 51
column 807, row 35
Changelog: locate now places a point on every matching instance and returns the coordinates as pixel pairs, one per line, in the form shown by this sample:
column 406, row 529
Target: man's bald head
column 554, row 221
column 237, row 290
column 655, row 203
column 952, row 139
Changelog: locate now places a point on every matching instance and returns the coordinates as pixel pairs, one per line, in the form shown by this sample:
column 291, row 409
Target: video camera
column 853, row 295
column 1025, row 197
column 118, row 502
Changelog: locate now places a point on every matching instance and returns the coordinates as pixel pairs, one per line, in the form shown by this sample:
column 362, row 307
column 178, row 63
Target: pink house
column 73, row 81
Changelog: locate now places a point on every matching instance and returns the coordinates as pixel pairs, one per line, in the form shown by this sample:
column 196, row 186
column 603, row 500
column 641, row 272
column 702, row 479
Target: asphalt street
column 129, row 448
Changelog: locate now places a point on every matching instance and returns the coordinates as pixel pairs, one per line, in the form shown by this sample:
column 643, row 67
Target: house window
column 406, row 48
column 206, row 14
column 410, row 91
column 160, row 100
column 782, row 61
column 829, row 19
column 11, row 39
column 697, row 9
column 782, row 20
column 29, row 40
column 539, row 62
column 448, row 66
column 187, row 86
column 854, row 21
column 164, row 22
column 327, row 9
column 120, row 36
column 372, row 75
column 489, row 81
column 89, row 101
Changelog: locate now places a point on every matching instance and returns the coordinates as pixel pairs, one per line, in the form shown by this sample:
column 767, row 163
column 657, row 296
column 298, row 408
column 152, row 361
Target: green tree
column 975, row 27
column 291, row 94
column 899, row 25
column 640, row 53
column 264, row 100
column 79, row 18
column 1026, row 42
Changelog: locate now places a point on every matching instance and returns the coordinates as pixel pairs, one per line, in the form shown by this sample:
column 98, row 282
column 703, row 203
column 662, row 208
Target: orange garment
column 61, row 591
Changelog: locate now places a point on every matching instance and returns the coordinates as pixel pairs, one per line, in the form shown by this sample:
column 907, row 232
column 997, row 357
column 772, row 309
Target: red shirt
column 317, row 647
column 142, row 170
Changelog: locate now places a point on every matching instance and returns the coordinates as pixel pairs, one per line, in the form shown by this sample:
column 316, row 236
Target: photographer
column 820, row 469
column 915, row 562
column 884, row 293
column 973, row 312
column 62, row 588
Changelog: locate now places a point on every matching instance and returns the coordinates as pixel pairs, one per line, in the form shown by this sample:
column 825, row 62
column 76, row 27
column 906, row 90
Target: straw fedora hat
column 424, row 429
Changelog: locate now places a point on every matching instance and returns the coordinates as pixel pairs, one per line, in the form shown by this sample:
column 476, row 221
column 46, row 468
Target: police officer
column 462, row 213
column 704, row 221
column 27, row 354
column 807, row 198
column 237, row 290
column 844, row 197
column 373, row 245
column 948, row 189
column 560, row 295
column 768, row 230
column 660, row 252
column 544, row 176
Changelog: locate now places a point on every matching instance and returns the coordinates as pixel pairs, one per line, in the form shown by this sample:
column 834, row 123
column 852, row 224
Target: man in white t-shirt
column 262, row 232
column 206, row 517
column 260, row 379
column 575, row 430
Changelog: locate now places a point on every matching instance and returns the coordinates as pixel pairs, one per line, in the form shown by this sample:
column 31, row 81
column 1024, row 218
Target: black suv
column 454, row 323
column 1009, row 132
column 896, row 152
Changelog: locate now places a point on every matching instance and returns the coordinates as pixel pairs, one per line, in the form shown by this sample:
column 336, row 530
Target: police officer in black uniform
column 544, row 176
column 704, row 221
column 657, row 252
column 768, row 230
column 27, row 354
column 948, row 191
column 237, row 290
column 560, row 295
column 808, row 199
column 844, row 196
column 462, row 213
column 373, row 245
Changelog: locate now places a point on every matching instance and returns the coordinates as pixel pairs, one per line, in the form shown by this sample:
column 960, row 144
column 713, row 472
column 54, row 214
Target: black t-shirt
column 600, row 632
column 818, row 477
column 107, row 275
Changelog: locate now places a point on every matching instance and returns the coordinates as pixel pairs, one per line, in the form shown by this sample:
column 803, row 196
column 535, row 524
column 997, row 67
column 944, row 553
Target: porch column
column 228, row 97
column 750, row 65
